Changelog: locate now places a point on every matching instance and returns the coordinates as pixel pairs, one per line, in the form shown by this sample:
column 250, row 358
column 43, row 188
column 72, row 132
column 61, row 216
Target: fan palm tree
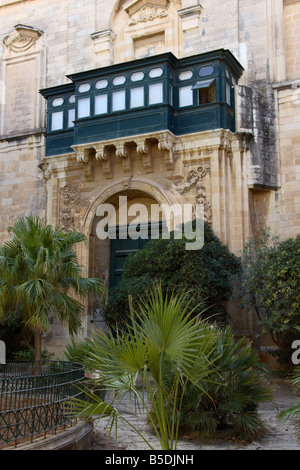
column 161, row 336
column 40, row 276
column 294, row 412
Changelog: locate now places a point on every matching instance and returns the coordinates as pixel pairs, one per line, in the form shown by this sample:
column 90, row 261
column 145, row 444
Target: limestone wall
column 42, row 42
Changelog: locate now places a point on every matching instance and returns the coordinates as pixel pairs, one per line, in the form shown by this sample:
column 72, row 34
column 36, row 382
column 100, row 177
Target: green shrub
column 270, row 285
column 205, row 276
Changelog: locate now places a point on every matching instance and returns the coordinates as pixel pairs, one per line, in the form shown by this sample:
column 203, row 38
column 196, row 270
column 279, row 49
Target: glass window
column 156, row 93
column 157, row 72
column 100, row 104
column 207, row 91
column 71, row 117
column 57, row 121
column 207, row 70
column 83, row 107
column 72, row 99
column 171, row 95
column 84, row 88
column 137, row 76
column 120, row 80
column 185, row 75
column 57, row 102
column 137, row 97
column 101, row 84
column 118, row 100
column 186, row 96
column 228, row 94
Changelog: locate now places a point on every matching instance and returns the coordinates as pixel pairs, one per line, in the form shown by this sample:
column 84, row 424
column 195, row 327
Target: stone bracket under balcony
column 124, row 150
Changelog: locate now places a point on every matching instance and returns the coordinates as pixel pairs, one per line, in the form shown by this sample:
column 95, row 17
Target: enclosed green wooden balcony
column 184, row 96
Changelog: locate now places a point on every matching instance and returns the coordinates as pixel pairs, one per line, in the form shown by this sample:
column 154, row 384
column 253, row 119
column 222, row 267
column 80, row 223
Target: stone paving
column 280, row 434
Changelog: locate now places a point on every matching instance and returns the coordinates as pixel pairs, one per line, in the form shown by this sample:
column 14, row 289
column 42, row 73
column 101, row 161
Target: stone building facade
column 220, row 125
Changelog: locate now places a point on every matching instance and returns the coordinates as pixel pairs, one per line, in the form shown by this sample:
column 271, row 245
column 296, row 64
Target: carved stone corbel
column 167, row 146
column 82, row 157
column 123, row 152
column 103, row 154
column 47, row 172
column 144, row 148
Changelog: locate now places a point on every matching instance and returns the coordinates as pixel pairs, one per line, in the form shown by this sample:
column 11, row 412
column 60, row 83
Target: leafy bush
column 205, row 276
column 270, row 285
column 229, row 399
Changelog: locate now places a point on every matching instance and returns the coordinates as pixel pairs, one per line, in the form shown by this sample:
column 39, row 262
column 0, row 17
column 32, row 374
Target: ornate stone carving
column 122, row 151
column 72, row 203
column 103, row 154
column 22, row 38
column 127, row 182
column 144, row 148
column 195, row 179
column 167, row 146
column 47, row 172
column 147, row 13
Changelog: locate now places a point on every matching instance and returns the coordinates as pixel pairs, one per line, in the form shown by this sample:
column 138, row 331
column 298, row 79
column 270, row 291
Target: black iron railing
column 34, row 398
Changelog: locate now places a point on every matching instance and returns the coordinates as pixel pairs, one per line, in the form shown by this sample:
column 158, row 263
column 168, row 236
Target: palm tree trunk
column 37, row 350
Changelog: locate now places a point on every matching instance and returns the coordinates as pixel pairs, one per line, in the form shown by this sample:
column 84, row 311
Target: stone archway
column 136, row 191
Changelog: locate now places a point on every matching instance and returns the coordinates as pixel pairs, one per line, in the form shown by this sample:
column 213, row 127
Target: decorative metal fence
column 33, row 399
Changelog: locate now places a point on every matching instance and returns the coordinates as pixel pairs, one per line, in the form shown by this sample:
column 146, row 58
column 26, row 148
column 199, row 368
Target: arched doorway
column 107, row 255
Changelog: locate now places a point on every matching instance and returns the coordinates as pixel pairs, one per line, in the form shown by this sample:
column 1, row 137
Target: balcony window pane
column 137, row 97
column 72, row 99
column 228, row 94
column 118, row 100
column 71, row 117
column 84, row 88
column 156, row 93
column 119, row 80
column 171, row 95
column 83, row 107
column 157, row 72
column 207, row 91
column 186, row 75
column 185, row 96
column 101, row 84
column 101, row 104
column 137, row 76
column 57, row 102
column 57, row 121
column 207, row 70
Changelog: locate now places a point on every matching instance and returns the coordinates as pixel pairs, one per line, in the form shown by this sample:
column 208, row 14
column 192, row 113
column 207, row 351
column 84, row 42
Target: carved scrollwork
column 145, row 150
column 195, row 179
column 22, row 38
column 103, row 154
column 72, row 201
column 148, row 13
column 167, row 146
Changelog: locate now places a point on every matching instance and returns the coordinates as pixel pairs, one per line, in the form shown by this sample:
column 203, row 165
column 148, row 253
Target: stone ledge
column 78, row 437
